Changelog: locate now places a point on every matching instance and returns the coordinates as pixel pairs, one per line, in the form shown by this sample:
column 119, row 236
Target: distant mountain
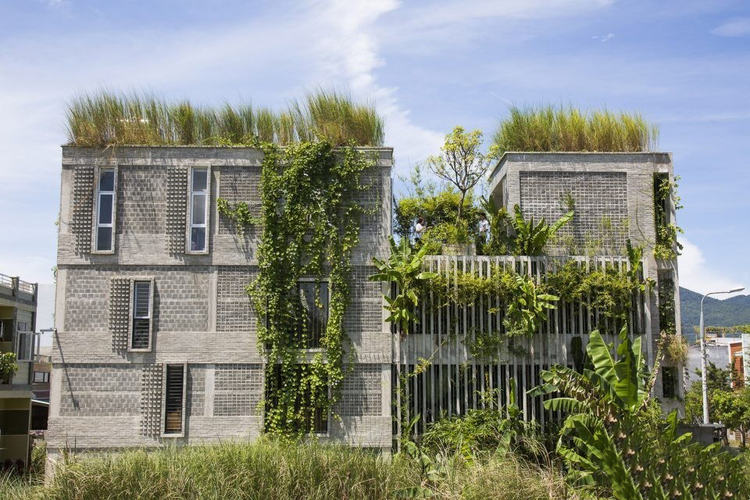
column 728, row 312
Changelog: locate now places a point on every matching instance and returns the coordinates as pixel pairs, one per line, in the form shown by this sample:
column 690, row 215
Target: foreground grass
column 268, row 470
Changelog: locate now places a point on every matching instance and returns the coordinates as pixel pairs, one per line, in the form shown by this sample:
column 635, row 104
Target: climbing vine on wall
column 311, row 224
column 665, row 192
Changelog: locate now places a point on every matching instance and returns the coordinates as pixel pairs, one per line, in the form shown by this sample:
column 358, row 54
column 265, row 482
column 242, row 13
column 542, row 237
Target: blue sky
column 428, row 66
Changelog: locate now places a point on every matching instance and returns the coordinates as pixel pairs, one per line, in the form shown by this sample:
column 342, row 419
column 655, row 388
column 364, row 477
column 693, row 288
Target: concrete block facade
column 613, row 198
column 105, row 395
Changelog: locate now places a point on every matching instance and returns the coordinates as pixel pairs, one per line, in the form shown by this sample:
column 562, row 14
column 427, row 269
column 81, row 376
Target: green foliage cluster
column 238, row 214
column 529, row 238
column 717, row 379
column 107, row 118
column 732, row 408
column 8, row 365
column 404, row 269
column 311, row 224
column 665, row 192
column 616, row 441
column 553, row 128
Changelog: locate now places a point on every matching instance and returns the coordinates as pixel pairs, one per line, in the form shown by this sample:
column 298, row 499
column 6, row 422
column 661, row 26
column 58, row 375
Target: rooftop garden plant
column 560, row 128
column 108, row 118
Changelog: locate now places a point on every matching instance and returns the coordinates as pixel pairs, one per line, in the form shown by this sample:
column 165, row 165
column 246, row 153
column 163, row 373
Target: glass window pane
column 200, row 179
column 105, row 209
column 142, row 299
column 199, row 209
column 197, row 239
column 107, row 180
column 104, row 238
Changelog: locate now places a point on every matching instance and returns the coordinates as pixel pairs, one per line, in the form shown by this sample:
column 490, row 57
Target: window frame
column 45, row 377
column 97, row 208
column 327, row 312
column 132, row 318
column 208, row 210
column 164, row 432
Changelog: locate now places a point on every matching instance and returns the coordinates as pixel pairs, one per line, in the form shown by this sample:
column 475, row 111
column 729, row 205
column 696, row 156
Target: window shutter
column 174, row 398
column 141, row 315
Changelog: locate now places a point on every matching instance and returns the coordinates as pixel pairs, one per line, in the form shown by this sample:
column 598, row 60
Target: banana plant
column 527, row 309
column 531, row 238
column 404, row 268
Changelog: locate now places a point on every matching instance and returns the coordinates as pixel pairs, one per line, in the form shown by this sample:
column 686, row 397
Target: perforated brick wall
column 234, row 309
column 240, row 184
column 237, row 389
column 119, row 311
column 361, row 392
column 142, row 200
column 363, row 317
column 150, row 410
column 90, row 390
column 196, row 390
column 181, row 297
column 176, row 210
column 600, row 200
column 83, row 207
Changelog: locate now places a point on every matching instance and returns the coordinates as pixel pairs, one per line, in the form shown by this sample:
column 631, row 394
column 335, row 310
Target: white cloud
column 604, row 38
column 736, row 27
column 695, row 274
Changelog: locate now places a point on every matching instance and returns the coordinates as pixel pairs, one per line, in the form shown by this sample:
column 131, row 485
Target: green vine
column 238, row 214
column 667, row 247
column 311, row 224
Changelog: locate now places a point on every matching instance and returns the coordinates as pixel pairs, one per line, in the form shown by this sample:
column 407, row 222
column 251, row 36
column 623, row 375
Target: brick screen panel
column 238, row 388
column 142, row 200
column 234, row 309
column 119, row 312
column 176, row 210
column 150, row 386
column 240, row 184
column 100, row 390
column 598, row 196
column 196, row 390
column 361, row 392
column 181, row 297
column 83, row 207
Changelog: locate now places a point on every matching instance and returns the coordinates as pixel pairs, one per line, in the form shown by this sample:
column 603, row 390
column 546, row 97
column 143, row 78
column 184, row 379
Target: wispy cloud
column 700, row 276
column 604, row 38
column 739, row 26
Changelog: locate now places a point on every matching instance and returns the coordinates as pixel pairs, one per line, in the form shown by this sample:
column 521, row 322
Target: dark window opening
column 174, row 398
column 309, row 416
column 312, row 313
column 669, row 381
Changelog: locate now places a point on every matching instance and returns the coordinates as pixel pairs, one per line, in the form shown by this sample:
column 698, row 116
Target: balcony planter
column 459, row 249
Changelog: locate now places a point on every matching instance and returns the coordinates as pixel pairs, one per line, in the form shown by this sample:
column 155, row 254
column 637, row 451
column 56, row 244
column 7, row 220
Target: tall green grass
column 108, row 118
column 275, row 471
column 552, row 128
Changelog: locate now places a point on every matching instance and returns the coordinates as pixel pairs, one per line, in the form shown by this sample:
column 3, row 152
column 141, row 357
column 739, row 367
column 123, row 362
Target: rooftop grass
column 558, row 128
column 108, row 118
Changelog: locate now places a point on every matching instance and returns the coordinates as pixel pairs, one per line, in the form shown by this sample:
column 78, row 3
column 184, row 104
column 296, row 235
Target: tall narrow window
column 141, row 334
column 198, row 209
column 313, row 312
column 104, row 210
column 175, row 377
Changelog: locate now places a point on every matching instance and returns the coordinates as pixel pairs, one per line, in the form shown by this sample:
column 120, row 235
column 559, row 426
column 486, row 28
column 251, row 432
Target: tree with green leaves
column 404, row 268
column 732, row 408
column 462, row 162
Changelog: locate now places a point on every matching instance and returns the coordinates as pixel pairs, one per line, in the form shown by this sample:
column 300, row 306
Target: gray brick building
column 156, row 337
column 152, row 296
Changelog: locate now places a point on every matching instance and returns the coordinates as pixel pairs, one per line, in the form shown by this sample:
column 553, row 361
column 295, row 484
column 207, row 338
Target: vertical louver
column 141, row 314
column 174, row 397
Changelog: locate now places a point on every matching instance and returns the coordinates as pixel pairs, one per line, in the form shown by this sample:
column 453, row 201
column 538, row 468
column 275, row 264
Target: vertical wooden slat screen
column 452, row 383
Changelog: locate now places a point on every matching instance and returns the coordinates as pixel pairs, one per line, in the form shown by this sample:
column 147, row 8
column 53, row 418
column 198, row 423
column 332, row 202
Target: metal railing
column 17, row 286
